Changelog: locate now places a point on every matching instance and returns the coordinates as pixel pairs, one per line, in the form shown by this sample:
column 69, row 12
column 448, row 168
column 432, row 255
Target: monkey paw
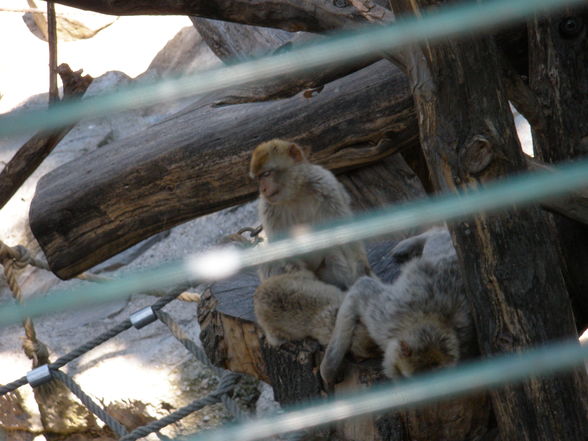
column 329, row 375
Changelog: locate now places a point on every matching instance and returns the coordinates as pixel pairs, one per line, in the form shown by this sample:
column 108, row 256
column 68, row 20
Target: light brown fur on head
column 276, row 153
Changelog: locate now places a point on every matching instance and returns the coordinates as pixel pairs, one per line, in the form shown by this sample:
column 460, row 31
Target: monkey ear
column 296, row 153
column 405, row 350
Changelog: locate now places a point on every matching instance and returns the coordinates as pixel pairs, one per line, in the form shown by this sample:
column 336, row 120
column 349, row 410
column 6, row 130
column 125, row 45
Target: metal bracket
column 143, row 317
column 39, row 376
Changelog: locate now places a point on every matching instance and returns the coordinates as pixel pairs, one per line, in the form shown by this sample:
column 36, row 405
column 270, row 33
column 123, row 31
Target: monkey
column 295, row 193
column 421, row 321
column 296, row 305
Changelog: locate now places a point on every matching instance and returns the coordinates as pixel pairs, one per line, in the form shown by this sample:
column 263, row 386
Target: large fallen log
column 196, row 162
column 232, row 41
column 233, row 340
column 290, row 15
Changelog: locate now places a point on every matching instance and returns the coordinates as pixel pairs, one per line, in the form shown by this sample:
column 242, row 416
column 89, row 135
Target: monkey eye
column 265, row 174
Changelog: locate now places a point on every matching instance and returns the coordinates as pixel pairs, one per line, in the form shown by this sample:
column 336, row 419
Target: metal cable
column 226, row 385
column 231, row 405
column 181, row 336
column 116, row 427
column 10, row 387
column 62, row 361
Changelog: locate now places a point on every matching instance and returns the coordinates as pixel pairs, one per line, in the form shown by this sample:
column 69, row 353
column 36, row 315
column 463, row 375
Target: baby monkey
column 297, row 305
column 293, row 192
column 421, row 321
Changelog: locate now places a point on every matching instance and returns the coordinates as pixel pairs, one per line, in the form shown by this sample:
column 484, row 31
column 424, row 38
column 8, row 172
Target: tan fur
column 297, row 305
column 297, row 194
column 421, row 321
column 271, row 153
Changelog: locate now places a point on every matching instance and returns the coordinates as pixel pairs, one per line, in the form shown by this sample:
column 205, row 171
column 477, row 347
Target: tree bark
column 290, row 15
column 232, row 41
column 559, row 78
column 26, row 160
column 509, row 260
column 94, row 207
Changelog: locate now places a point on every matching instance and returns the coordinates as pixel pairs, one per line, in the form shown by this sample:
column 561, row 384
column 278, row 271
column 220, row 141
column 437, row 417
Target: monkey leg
column 340, row 267
column 340, row 341
column 295, row 306
column 409, row 248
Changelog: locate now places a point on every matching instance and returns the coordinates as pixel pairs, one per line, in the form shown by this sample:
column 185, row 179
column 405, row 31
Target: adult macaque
column 421, row 321
column 293, row 192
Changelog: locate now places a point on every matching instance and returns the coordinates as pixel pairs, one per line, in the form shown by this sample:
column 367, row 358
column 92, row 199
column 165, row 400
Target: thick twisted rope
column 11, row 387
column 201, row 356
column 12, row 259
column 116, row 427
column 227, row 384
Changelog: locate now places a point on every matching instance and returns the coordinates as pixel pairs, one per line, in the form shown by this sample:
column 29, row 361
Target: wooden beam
column 290, row 15
column 196, row 162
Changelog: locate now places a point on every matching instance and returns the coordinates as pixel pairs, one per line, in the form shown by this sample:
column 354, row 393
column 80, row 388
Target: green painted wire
column 224, row 262
column 448, row 21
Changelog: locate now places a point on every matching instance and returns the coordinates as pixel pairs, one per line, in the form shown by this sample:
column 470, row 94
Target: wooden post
column 509, row 260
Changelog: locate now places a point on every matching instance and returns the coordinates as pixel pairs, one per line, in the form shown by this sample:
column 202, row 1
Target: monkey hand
column 329, row 369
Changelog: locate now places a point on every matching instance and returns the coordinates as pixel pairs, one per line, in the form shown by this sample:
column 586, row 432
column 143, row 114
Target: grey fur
column 312, row 195
column 424, row 311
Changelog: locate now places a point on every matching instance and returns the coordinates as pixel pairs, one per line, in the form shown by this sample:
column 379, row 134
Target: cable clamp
column 39, row 376
column 143, row 317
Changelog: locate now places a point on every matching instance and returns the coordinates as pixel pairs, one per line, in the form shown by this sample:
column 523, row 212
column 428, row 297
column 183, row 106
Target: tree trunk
column 94, row 207
column 509, row 260
column 559, row 78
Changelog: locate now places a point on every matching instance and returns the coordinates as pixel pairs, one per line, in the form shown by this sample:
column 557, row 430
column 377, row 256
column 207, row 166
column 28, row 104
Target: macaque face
column 415, row 360
column 269, row 187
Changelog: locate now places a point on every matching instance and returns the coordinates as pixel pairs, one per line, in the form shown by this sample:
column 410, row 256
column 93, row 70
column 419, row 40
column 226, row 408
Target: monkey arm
column 341, row 339
column 362, row 295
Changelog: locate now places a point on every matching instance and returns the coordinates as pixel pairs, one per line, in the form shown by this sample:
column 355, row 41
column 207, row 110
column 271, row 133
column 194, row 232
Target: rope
column 181, row 336
column 11, row 387
column 12, row 259
column 116, row 427
column 226, row 385
column 201, row 356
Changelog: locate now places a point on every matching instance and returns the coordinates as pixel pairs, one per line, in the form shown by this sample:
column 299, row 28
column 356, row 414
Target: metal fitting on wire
column 143, row 317
column 39, row 376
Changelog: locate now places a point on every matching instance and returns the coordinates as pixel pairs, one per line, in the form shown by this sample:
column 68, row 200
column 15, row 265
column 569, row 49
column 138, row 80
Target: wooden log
column 233, row 41
column 233, row 340
column 96, row 206
column 26, row 160
column 509, row 261
column 558, row 75
column 290, row 15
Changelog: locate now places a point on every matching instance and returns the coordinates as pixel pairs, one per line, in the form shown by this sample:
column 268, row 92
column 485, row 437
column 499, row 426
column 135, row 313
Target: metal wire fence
column 221, row 263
